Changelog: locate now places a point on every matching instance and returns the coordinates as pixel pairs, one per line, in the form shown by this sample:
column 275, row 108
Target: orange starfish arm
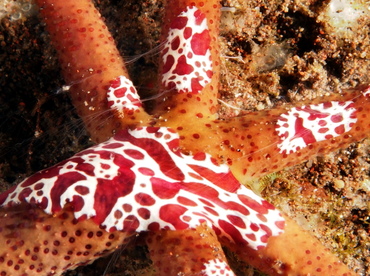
column 189, row 252
column 90, row 62
column 182, row 94
column 83, row 41
column 252, row 146
column 189, row 109
column 35, row 243
column 295, row 252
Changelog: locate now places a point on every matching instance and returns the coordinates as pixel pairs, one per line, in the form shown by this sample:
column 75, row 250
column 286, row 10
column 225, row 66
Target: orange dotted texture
column 295, row 252
column 89, row 60
column 184, row 252
column 249, row 144
column 34, row 243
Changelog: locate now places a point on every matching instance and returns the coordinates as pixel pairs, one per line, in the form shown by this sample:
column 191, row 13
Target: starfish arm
column 141, row 203
column 91, row 65
column 190, row 59
column 36, row 243
column 77, row 29
column 295, row 252
column 138, row 181
column 188, row 252
column 268, row 141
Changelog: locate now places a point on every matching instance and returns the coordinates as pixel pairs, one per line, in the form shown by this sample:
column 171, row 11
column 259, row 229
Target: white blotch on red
column 217, row 267
column 305, row 125
column 122, row 95
column 139, row 181
column 187, row 65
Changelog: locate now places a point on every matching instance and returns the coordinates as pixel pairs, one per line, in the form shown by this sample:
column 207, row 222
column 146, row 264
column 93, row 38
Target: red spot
column 105, row 166
column 323, row 130
column 127, row 207
column 179, row 22
column 182, row 67
column 253, row 204
column 251, row 237
column 186, row 201
column 86, row 168
column 339, row 129
column 196, row 87
column 170, row 61
column 82, row 190
column 237, row 221
column 146, row 171
column 144, row 213
column 187, row 32
column 280, row 224
column 206, row 202
column 39, row 186
column 337, row 118
column 200, row 43
column 199, row 17
column 211, row 211
column 304, row 133
column 115, row 83
column 237, row 207
column 268, row 234
column 154, row 226
column 171, row 213
column 175, row 43
column 200, row 156
column 225, row 181
column 112, row 146
column 164, row 189
column 119, row 93
column 77, row 203
column 144, row 199
column 232, row 231
column 135, row 154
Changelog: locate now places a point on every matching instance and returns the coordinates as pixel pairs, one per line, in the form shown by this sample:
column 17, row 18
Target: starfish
column 337, row 117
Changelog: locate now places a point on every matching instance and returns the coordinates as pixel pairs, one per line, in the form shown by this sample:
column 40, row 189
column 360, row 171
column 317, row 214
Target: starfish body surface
column 175, row 172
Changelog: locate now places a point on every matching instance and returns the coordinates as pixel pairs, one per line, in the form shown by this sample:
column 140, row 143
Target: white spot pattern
column 217, row 267
column 139, row 181
column 187, row 65
column 302, row 126
column 122, row 95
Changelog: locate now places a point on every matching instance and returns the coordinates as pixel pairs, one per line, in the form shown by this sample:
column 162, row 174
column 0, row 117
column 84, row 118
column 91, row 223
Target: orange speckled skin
column 248, row 144
column 34, row 243
column 186, row 251
column 294, row 253
column 89, row 61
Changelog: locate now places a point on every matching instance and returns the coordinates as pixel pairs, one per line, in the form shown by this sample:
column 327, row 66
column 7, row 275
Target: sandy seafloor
column 273, row 53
